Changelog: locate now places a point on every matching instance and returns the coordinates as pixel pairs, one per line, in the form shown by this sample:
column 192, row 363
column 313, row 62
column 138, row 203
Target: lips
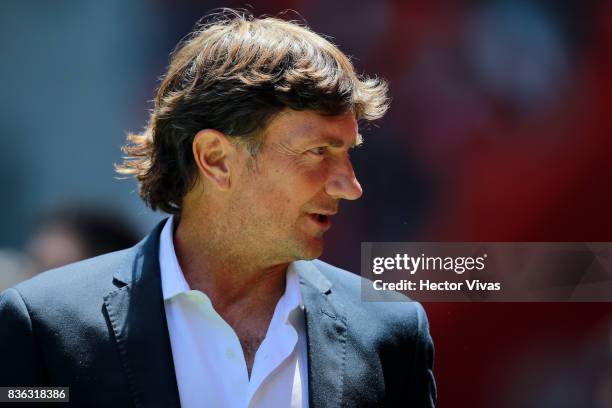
column 321, row 219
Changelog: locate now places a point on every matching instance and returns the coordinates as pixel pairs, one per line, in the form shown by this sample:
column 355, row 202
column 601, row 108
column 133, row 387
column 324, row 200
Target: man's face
column 283, row 201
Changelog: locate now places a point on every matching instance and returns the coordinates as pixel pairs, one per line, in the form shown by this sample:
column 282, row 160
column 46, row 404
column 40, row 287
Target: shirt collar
column 174, row 283
column 172, row 278
column 293, row 293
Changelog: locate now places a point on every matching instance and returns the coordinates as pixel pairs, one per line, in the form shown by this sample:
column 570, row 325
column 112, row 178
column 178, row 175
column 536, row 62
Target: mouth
column 322, row 220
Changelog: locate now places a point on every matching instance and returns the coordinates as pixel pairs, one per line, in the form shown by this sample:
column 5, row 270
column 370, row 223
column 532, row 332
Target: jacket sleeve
column 20, row 360
column 425, row 385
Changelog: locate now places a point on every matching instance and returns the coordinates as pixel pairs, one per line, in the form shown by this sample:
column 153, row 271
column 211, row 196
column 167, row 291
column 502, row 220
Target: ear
column 213, row 153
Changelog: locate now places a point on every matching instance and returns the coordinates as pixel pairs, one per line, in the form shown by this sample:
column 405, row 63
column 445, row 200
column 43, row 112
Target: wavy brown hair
column 233, row 74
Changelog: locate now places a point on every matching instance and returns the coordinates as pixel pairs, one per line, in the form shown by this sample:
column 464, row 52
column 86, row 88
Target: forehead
column 303, row 127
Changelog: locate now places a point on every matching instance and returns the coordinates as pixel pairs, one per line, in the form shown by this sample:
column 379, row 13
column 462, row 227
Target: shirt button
column 229, row 353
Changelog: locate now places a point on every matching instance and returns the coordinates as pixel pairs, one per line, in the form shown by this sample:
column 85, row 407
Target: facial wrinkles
column 290, row 158
column 283, row 149
column 313, row 169
column 334, row 163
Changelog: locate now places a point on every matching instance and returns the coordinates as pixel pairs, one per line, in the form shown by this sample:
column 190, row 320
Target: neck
column 224, row 270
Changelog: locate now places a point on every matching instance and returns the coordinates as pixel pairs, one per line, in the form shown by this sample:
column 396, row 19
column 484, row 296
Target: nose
column 343, row 183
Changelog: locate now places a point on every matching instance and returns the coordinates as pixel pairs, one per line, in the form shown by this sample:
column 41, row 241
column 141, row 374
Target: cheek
column 311, row 174
column 267, row 197
column 282, row 192
column 312, row 182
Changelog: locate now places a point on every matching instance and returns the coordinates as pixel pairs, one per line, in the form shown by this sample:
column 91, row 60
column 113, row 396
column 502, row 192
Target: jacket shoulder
column 77, row 287
column 86, row 275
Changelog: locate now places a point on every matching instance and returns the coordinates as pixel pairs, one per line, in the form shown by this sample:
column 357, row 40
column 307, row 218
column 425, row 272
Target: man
column 222, row 304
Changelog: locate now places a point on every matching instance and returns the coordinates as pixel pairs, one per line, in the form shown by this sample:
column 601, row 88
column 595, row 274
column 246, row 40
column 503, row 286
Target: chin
column 310, row 250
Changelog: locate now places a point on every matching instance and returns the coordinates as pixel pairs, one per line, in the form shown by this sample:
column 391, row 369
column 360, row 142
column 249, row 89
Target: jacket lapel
column 138, row 319
column 326, row 329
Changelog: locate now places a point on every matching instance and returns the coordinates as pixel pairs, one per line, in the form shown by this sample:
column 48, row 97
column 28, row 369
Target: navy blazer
column 99, row 327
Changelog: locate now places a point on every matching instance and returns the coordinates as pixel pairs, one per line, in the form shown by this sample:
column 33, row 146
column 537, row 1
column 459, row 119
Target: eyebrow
column 335, row 142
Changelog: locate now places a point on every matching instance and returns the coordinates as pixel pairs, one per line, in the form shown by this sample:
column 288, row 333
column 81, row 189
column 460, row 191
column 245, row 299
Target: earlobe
column 212, row 152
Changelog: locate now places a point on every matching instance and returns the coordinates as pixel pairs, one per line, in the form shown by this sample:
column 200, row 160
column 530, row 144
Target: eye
column 319, row 151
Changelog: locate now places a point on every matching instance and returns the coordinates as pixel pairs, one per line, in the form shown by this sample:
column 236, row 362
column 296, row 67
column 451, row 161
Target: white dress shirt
column 210, row 367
